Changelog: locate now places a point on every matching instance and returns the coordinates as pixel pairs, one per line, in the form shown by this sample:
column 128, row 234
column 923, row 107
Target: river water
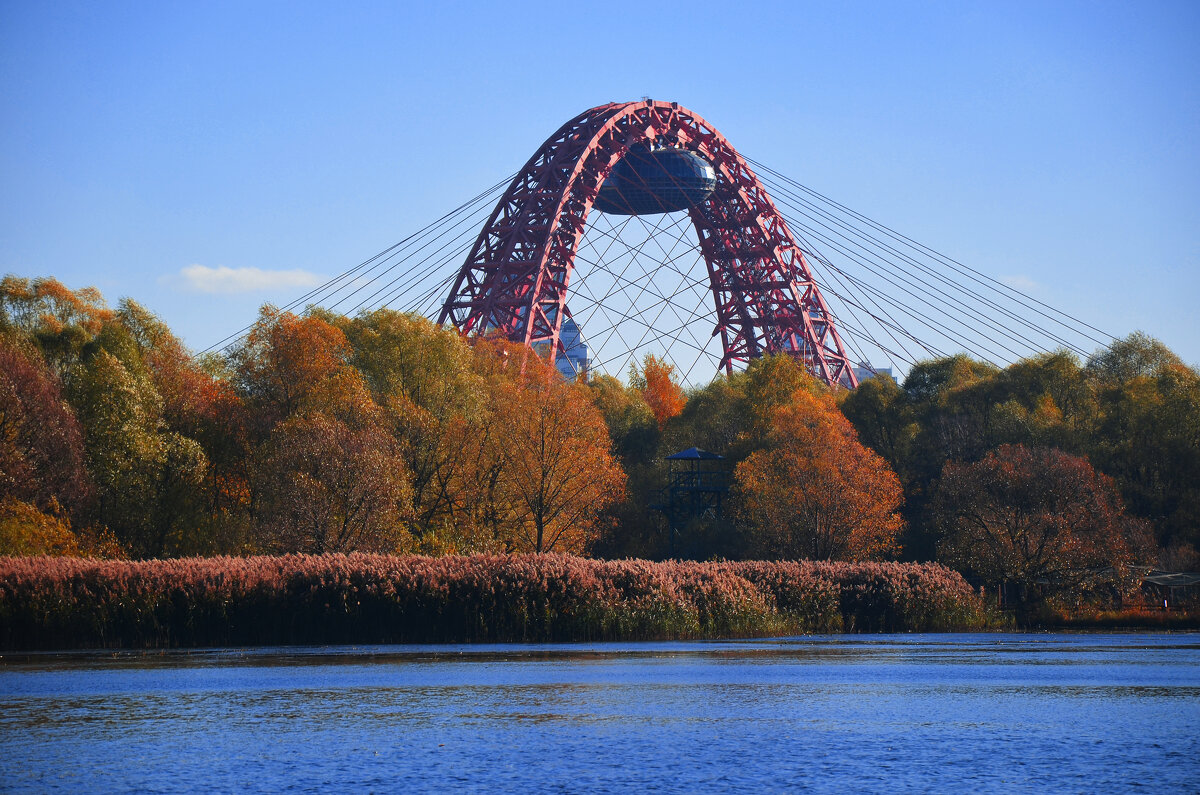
column 888, row 713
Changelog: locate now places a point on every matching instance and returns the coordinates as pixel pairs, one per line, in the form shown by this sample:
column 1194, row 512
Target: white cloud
column 203, row 279
column 1019, row 282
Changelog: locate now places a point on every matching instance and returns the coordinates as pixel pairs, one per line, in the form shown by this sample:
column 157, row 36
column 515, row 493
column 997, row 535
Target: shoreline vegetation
column 51, row 603
column 1056, row 483
column 1140, row 619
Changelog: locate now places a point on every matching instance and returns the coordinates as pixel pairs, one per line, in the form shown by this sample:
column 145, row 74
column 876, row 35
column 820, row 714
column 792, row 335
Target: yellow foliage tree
column 24, row 530
column 555, row 470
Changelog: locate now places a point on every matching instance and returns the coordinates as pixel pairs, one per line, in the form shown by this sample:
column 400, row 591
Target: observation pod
column 515, row 280
column 649, row 181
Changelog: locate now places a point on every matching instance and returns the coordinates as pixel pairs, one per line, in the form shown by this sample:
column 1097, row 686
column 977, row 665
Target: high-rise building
column 864, row 371
column 572, row 362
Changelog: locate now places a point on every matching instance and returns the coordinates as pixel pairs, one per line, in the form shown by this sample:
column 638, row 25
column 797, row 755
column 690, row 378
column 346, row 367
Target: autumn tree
column 771, row 382
column 730, row 416
column 41, row 445
column 25, row 530
column 42, row 474
column 958, row 408
column 656, row 381
column 328, row 487
column 814, row 491
column 198, row 401
column 326, row 473
column 61, row 322
column 409, row 354
column 193, row 397
column 556, row 472
column 432, row 391
column 1039, row 518
column 137, row 393
column 284, row 360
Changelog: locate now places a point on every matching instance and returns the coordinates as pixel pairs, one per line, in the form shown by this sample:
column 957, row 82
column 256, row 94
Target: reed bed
column 69, row 603
column 1185, row 620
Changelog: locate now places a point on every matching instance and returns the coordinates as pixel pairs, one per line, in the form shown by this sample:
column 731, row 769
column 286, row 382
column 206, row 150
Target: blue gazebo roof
column 695, row 454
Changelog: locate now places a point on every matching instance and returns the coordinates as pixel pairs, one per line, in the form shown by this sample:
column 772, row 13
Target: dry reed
column 57, row 603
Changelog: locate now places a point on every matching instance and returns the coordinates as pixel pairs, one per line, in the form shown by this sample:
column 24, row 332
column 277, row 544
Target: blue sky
column 143, row 146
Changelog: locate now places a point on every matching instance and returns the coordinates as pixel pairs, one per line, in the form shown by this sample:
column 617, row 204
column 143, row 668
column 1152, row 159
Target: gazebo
column 696, row 486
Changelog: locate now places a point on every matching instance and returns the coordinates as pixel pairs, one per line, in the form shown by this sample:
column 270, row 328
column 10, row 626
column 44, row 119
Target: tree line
column 385, row 433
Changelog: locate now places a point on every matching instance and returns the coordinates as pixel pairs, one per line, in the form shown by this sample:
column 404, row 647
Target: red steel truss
column 515, row 279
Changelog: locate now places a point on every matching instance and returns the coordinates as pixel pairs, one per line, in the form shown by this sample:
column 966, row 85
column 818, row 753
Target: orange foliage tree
column 326, row 472
column 285, row 360
column 814, row 491
column 656, row 382
column 1039, row 518
column 555, row 471
column 60, row 321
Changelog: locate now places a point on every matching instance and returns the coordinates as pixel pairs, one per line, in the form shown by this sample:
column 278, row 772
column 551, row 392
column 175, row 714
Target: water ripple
column 870, row 713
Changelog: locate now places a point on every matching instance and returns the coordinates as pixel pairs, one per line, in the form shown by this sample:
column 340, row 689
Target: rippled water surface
column 1087, row 713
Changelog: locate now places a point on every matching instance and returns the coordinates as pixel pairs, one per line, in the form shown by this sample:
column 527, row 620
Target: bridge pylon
column 515, row 279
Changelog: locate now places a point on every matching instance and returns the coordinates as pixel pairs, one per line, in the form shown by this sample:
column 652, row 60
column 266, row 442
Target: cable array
column 411, row 275
column 640, row 286
column 903, row 301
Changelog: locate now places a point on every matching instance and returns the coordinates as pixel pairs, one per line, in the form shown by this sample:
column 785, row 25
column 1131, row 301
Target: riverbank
column 77, row 603
column 1137, row 620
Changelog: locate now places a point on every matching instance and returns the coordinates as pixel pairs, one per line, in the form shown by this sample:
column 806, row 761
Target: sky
column 205, row 158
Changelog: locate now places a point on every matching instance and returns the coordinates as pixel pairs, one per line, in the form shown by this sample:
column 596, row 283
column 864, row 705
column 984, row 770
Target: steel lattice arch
column 515, row 279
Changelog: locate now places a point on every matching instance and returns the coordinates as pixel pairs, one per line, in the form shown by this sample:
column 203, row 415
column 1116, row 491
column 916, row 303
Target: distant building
column 863, row 371
column 572, row 361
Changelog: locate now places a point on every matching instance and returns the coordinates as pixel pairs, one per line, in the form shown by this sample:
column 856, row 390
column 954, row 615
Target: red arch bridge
column 638, row 228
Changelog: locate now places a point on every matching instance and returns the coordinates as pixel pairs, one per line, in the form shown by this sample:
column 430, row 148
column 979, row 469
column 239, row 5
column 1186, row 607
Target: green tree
column 1136, row 356
column 879, row 412
column 428, row 381
column 144, row 474
column 631, row 424
column 1147, row 436
column 198, row 403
